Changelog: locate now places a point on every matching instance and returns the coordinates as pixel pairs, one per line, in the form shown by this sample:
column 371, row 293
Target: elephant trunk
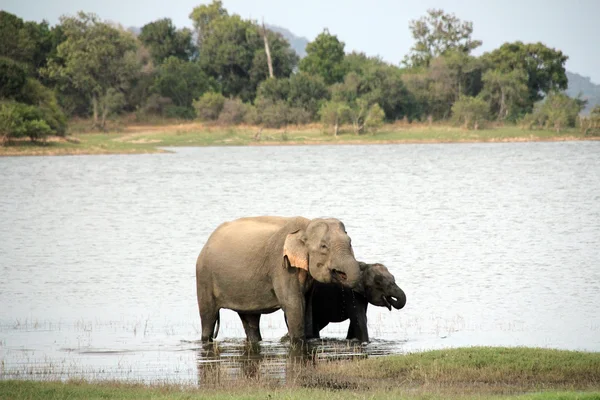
column 397, row 299
column 346, row 271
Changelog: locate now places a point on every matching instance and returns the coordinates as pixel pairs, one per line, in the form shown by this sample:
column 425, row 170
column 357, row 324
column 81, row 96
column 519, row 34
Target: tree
column 556, row 111
column 437, row 33
column 506, row 92
column 181, row 81
column 94, row 58
column 19, row 119
column 334, row 113
column 543, row 66
column 203, row 16
column 325, row 58
column 300, row 91
column 307, row 92
column 233, row 53
column 13, row 77
column 164, row 40
column 28, row 43
column 209, row 106
column 383, row 82
column 470, row 112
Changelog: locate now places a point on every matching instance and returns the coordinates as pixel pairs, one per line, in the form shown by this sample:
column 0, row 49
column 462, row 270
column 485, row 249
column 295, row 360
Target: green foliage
column 164, row 40
column 181, row 81
column 557, row 111
column 156, row 104
column 506, row 92
column 93, row 58
column 302, row 93
column 19, row 120
column 203, row 16
column 28, row 43
column 543, row 66
column 274, row 89
column 209, row 106
column 272, row 114
column 470, row 112
column 383, row 83
column 334, row 114
column 325, row 58
column 374, row 119
column 437, row 33
column 591, row 124
column 443, row 82
column 233, row 112
column 232, row 52
column 36, row 94
column 307, row 92
column 13, row 77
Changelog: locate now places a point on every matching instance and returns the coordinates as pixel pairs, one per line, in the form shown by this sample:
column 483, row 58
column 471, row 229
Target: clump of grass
column 519, row 369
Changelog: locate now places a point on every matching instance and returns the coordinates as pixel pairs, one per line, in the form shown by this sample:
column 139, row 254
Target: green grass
column 148, row 138
column 468, row 373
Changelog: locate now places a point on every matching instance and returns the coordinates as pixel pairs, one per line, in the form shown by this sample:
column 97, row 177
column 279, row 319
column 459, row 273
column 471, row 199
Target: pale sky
column 376, row 27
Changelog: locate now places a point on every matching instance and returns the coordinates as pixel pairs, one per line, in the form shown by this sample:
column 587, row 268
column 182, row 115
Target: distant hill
column 298, row 43
column 583, row 85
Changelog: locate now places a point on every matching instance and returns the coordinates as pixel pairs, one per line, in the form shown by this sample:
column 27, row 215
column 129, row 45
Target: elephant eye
column 324, row 247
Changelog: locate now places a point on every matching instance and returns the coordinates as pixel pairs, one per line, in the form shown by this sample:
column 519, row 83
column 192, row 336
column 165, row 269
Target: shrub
column 251, row 116
column 156, row 104
column 470, row 112
column 374, row 118
column 556, row 111
column 334, row 113
column 173, row 111
column 19, row 120
column 36, row 94
column 233, row 112
column 209, row 106
column 299, row 116
column 273, row 114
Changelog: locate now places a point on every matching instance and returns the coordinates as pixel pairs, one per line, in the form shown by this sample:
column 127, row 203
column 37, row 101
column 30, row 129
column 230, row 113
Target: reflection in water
column 276, row 362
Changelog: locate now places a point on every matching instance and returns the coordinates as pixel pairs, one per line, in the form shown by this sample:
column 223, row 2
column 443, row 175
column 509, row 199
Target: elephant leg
column 251, row 324
column 208, row 319
column 316, row 330
column 358, row 325
column 294, row 314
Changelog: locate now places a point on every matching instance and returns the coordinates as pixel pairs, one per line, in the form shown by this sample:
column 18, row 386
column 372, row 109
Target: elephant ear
column 295, row 251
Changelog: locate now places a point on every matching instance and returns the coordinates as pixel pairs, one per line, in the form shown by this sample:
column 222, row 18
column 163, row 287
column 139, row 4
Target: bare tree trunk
column 269, row 61
column 104, row 114
column 95, row 109
column 335, row 128
column 503, row 110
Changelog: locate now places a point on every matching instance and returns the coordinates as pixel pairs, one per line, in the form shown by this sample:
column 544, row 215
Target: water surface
column 494, row 244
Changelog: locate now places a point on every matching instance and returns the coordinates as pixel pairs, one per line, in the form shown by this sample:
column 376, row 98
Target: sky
column 375, row 27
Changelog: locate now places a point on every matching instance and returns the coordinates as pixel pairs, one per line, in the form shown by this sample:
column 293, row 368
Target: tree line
column 219, row 71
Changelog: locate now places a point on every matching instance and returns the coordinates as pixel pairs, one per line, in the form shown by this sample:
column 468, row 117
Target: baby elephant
column 334, row 303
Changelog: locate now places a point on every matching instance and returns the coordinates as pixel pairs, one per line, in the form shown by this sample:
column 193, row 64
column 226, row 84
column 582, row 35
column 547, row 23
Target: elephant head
column 324, row 250
column 379, row 287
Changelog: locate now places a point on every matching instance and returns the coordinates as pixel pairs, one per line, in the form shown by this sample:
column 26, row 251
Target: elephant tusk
column 387, row 303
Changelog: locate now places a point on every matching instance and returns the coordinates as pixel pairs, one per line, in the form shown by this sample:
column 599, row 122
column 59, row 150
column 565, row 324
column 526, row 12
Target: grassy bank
column 471, row 373
column 131, row 138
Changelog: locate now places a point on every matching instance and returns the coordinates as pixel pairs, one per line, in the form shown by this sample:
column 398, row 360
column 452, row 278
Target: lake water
column 494, row 244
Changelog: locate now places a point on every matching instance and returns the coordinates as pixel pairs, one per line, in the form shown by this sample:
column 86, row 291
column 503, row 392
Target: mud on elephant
column 258, row 265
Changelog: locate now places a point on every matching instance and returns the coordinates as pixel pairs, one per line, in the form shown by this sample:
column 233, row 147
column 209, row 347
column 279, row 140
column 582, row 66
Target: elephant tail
column 217, row 326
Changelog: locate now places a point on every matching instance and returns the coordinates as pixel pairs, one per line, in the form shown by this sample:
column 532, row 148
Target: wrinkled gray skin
column 333, row 303
column 257, row 265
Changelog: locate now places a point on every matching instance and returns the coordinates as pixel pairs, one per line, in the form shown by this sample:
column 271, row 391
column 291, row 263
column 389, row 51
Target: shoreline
column 140, row 139
column 460, row 373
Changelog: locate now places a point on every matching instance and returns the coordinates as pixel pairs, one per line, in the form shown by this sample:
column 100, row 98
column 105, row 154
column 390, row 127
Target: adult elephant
column 257, row 265
column 332, row 303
